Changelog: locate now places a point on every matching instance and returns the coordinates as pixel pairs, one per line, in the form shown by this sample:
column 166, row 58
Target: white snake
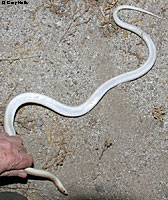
column 90, row 103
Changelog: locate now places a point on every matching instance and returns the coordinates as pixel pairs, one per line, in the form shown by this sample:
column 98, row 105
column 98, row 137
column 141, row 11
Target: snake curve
column 90, row 103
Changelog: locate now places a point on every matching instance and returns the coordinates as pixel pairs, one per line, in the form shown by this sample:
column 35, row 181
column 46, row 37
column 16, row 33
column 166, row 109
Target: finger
column 13, row 139
column 9, row 146
column 4, row 133
column 19, row 173
column 16, row 139
column 19, row 149
column 26, row 160
column 23, row 161
column 17, row 142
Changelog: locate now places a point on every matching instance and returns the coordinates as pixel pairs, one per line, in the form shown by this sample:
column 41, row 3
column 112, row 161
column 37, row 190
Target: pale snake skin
column 90, row 103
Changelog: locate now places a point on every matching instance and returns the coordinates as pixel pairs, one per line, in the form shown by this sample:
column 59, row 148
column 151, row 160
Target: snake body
column 90, row 103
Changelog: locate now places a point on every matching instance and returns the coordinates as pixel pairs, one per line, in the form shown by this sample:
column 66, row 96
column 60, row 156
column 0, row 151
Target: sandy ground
column 65, row 50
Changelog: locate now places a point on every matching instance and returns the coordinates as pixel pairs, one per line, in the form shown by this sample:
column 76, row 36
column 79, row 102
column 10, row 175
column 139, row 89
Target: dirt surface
column 65, row 50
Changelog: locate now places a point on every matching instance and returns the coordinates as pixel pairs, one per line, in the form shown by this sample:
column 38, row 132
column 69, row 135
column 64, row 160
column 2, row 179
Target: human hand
column 13, row 156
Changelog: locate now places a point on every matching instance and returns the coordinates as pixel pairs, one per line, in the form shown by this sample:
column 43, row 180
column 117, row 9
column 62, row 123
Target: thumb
column 19, row 173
